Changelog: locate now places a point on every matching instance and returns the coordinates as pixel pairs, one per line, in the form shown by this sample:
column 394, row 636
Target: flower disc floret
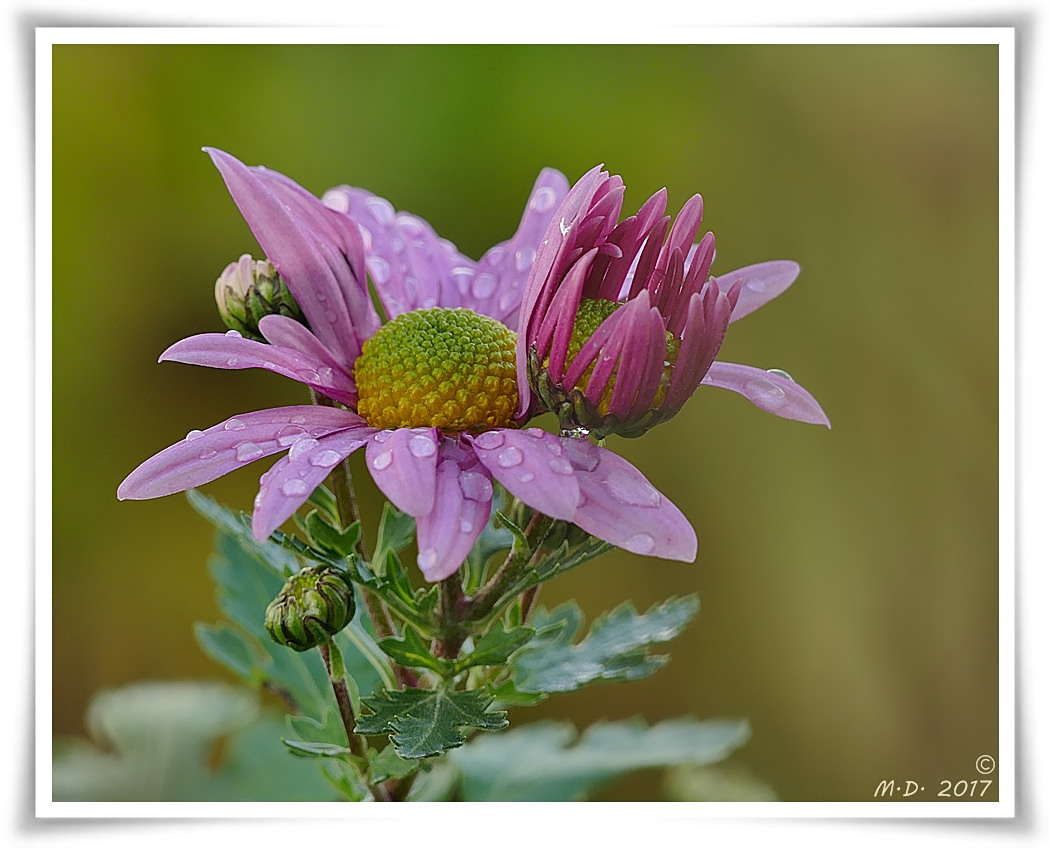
column 454, row 369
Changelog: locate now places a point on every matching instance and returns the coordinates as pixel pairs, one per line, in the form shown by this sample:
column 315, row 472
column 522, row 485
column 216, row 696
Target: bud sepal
column 314, row 605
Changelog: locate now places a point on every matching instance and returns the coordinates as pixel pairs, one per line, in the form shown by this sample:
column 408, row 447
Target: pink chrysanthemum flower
column 621, row 322
column 431, row 395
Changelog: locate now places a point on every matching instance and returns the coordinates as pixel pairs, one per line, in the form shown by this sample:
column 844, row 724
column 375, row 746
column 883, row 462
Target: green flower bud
column 314, row 605
column 249, row 290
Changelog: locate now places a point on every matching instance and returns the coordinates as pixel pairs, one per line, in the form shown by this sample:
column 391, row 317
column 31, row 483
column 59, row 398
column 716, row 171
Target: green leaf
column 339, row 543
column 496, row 646
column 412, row 652
column 389, row 765
column 246, row 581
column 326, row 729
column 615, row 649
column 424, row 722
column 274, row 556
column 396, row 531
column 316, row 749
column 159, row 743
column 547, row 762
column 508, row 695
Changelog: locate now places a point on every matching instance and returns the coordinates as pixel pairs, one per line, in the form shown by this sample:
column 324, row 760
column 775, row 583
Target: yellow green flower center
column 448, row 368
column 592, row 312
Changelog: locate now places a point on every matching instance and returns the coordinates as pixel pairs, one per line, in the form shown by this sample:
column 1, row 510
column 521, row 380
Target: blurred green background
column 849, row 579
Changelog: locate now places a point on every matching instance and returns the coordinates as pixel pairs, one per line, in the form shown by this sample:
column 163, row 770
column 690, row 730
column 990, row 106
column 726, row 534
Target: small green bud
column 314, row 605
column 249, row 290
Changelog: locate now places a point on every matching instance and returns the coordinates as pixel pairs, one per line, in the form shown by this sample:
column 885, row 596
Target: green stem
column 453, row 634
column 356, row 744
column 516, row 564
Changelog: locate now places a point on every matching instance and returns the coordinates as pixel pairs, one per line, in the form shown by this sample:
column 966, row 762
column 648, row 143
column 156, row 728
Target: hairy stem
column 516, row 564
column 356, row 744
column 453, row 633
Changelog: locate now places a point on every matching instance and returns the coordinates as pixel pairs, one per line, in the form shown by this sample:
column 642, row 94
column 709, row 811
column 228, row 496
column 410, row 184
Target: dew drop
column 756, row 286
column 630, row 490
column 524, row 258
column 560, row 466
column 324, row 458
column 366, row 236
column 233, row 424
column 765, row 393
column 298, row 419
column 494, row 256
column 380, row 270
column 234, row 334
column 300, row 447
column 291, row 488
column 247, row 451
column 544, row 199
column 310, row 376
column 380, row 209
column 209, row 454
column 427, row 559
column 321, row 296
column 508, row 299
column 194, row 434
column 475, row 486
column 489, row 440
column 383, row 436
column 421, row 446
column 528, row 476
column 232, row 361
column 325, row 374
column 640, row 543
column 779, row 372
column 483, row 285
column 509, row 457
column 268, row 365
column 382, row 460
column 397, row 244
column 465, row 525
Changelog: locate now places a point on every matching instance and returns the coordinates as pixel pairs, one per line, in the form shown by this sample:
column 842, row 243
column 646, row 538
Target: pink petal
column 509, row 263
column 216, row 350
column 462, row 506
column 771, row 392
column 532, row 466
column 295, row 237
column 206, row 455
column 411, row 266
column 761, row 283
column 403, row 464
column 620, row 506
column 289, row 483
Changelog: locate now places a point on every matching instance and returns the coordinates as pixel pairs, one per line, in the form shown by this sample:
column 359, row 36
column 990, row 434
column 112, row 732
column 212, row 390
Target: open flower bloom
column 621, row 321
column 431, row 396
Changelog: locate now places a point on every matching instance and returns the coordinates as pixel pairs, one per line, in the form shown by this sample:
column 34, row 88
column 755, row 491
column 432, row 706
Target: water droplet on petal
column 324, row 458
column 494, row 256
column 483, row 285
column 640, row 543
column 194, row 434
column 381, row 209
column 544, row 199
column 630, row 490
column 765, row 393
column 559, row 465
column 509, row 457
column 298, row 419
column 427, row 559
column 528, row 476
column 524, row 258
column 509, row 298
column 233, row 424
column 233, row 334
column 422, row 446
column 300, row 447
column 489, row 440
column 756, row 286
column 475, row 486
column 465, row 525
column 209, row 454
column 382, row 460
column 268, row 365
column 382, row 436
column 289, row 435
column 325, row 374
column 310, row 376
column 232, row 361
column 292, row 488
column 779, row 372
column 321, row 296
column 247, row 451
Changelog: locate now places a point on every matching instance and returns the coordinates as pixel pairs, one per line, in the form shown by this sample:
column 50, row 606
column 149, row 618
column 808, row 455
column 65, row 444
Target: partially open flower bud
column 314, row 605
column 249, row 290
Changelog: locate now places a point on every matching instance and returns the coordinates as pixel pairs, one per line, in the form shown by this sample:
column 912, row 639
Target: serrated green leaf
column 496, row 646
column 424, row 722
column 547, row 761
column 339, row 543
column 508, row 695
column 389, row 765
column 328, row 728
column 615, row 649
column 412, row 652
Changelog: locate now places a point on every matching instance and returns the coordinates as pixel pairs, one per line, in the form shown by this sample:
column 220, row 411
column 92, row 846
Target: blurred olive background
column 848, row 577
